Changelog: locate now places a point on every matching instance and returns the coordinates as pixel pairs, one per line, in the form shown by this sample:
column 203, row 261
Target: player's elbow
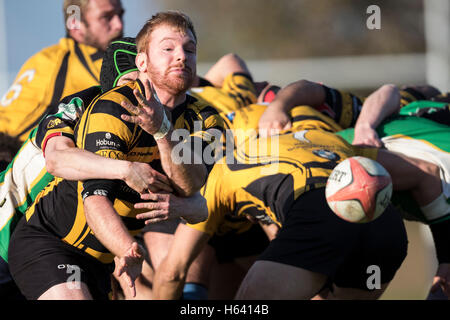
column 391, row 91
column 195, row 181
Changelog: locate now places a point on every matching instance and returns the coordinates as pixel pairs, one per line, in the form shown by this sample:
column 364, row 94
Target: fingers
column 137, row 250
column 140, row 98
column 147, row 206
column 148, row 90
column 154, row 196
column 287, row 126
column 130, row 107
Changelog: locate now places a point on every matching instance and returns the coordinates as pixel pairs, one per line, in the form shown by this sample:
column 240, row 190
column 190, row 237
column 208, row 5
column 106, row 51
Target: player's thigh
column 39, row 261
column 381, row 251
column 65, row 291
column 158, row 238
column 268, row 280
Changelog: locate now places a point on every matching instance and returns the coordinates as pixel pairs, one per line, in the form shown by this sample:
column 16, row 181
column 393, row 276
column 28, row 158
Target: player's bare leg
column 422, row 178
column 158, row 242
column 67, row 291
column 267, row 280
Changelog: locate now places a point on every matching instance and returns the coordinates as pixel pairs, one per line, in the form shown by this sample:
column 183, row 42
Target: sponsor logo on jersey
column 53, row 123
column 326, row 154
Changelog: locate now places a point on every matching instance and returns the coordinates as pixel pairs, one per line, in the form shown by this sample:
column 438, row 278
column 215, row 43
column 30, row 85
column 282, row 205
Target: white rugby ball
column 358, row 189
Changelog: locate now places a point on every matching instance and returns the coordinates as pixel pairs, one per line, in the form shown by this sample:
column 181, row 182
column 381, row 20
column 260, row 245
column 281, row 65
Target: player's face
column 172, row 59
column 103, row 23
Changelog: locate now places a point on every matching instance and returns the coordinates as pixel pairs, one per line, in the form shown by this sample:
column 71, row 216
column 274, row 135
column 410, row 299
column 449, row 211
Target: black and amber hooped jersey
column 55, row 72
column 264, row 176
column 59, row 207
column 237, row 92
column 341, row 106
column 62, row 123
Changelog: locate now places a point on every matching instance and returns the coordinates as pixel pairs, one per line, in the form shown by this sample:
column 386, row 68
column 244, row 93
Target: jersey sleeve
column 240, row 87
column 207, row 131
column 342, row 107
column 62, row 121
column 408, row 95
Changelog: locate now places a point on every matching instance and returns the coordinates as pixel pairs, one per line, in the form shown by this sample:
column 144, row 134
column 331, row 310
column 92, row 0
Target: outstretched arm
column 168, row 206
column 301, row 92
column 228, row 64
column 64, row 160
column 109, row 229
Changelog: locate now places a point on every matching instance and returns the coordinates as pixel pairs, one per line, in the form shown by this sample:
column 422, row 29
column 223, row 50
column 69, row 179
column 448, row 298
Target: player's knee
column 173, row 274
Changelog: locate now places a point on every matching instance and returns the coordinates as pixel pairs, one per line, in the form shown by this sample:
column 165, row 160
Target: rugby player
column 405, row 129
column 227, row 86
column 239, row 188
column 63, row 69
column 30, row 171
column 88, row 223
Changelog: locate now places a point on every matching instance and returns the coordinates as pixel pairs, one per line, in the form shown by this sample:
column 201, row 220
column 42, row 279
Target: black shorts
column 315, row 239
column 238, row 245
column 39, row 260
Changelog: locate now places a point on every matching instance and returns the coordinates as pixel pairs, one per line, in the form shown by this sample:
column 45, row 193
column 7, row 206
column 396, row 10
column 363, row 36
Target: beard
column 175, row 84
column 92, row 40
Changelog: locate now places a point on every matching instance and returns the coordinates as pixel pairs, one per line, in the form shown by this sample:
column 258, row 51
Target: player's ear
column 77, row 31
column 141, row 61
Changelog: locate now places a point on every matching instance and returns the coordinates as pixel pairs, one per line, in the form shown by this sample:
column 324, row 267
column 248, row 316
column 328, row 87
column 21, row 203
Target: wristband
column 164, row 129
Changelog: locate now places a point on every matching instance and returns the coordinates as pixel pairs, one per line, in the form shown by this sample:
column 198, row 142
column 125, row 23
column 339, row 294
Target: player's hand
column 166, row 206
column 141, row 177
column 273, row 121
column 442, row 279
column 130, row 265
column 366, row 136
column 148, row 114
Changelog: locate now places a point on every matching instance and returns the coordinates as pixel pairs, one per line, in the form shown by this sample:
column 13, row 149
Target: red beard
column 173, row 83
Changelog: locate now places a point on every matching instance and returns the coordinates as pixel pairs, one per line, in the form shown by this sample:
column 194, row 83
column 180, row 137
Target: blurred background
column 338, row 42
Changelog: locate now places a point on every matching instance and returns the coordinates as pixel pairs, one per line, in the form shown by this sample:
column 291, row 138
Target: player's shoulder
column 45, row 58
column 114, row 97
column 201, row 108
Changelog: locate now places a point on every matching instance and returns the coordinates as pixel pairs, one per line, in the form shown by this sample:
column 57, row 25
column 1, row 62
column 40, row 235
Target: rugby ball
column 358, row 190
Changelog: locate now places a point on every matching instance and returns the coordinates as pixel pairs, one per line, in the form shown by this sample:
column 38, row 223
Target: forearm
column 378, row 106
column 107, row 225
column 187, row 174
column 302, row 92
column 72, row 163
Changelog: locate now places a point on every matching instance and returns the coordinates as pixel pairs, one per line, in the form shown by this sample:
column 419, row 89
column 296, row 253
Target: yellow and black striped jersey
column 264, row 176
column 343, row 107
column 237, row 91
column 63, row 122
column 55, row 72
column 59, row 207
column 409, row 94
